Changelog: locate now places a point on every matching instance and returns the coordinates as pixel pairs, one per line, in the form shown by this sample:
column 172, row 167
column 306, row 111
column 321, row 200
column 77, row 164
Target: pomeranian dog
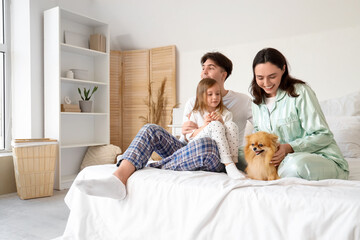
column 259, row 150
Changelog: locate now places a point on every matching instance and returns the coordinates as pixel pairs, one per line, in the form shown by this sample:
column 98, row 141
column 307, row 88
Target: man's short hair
column 220, row 60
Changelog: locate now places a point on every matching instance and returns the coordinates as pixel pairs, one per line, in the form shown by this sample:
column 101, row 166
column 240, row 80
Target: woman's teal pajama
column 310, row 166
column 300, row 122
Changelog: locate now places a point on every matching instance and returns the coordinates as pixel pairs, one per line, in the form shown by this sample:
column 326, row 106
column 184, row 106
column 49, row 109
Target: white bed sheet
column 164, row 204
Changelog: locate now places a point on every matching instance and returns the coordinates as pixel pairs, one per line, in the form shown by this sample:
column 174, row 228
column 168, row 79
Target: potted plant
column 85, row 103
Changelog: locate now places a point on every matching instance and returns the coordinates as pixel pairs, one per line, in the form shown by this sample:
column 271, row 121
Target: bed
column 164, row 204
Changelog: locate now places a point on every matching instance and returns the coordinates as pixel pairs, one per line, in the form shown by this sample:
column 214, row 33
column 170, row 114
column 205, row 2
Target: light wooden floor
column 39, row 218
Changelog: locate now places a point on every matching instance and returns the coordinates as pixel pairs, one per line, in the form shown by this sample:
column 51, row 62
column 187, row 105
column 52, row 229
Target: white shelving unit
column 74, row 131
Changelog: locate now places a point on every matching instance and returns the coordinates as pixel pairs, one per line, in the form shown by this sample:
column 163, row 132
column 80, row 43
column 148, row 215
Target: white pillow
column 348, row 105
column 346, row 130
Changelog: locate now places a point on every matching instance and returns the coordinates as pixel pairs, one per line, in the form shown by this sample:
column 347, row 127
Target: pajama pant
column 226, row 138
column 200, row 154
column 310, row 166
column 304, row 165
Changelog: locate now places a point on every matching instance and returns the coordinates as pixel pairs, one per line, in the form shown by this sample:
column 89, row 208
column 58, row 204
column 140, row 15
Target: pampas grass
column 156, row 108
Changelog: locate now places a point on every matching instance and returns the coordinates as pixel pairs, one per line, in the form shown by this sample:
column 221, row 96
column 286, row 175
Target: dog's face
column 260, row 143
column 259, row 150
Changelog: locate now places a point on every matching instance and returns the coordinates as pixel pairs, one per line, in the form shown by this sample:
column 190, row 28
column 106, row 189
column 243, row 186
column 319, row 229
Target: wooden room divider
column 142, row 90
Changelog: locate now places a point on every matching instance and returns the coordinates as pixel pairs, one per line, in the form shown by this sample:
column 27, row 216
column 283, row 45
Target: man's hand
column 188, row 127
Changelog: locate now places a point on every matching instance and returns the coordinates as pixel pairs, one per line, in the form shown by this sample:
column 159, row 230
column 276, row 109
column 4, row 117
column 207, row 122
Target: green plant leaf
column 80, row 94
column 87, row 96
column 94, row 90
column 86, row 93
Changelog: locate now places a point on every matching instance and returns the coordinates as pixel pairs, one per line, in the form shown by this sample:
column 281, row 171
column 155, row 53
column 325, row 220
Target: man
column 217, row 66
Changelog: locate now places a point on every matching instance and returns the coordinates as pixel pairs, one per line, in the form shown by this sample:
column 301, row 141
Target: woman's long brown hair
column 287, row 82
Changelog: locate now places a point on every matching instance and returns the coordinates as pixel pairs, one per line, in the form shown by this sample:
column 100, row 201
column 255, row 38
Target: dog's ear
column 274, row 138
column 247, row 138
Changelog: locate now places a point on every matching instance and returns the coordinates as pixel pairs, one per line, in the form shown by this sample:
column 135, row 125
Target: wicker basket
column 34, row 165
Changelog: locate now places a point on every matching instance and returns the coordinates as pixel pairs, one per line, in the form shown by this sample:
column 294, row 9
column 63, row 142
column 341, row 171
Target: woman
column 289, row 108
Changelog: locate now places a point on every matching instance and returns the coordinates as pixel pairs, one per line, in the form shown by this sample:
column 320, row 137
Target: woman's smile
column 268, row 77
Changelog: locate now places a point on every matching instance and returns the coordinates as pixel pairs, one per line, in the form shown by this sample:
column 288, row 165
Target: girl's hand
column 216, row 117
column 283, row 150
column 207, row 119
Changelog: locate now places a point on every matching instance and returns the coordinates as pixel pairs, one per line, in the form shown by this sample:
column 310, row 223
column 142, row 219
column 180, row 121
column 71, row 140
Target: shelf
column 81, row 19
column 67, row 180
column 79, row 50
column 74, row 80
column 82, row 145
column 84, row 113
column 76, row 131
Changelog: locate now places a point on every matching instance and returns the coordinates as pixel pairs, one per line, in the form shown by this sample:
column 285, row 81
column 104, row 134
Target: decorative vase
column 85, row 106
column 70, row 74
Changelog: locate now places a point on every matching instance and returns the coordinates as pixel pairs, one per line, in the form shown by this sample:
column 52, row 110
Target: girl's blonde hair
column 201, row 94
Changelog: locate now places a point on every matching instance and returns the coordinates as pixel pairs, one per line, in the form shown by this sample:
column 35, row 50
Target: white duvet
column 172, row 205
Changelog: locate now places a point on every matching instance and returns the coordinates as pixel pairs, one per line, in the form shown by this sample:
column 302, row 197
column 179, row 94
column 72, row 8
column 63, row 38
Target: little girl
column 215, row 121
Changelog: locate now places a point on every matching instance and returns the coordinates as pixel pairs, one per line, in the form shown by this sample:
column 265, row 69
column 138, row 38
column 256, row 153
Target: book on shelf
column 98, row 42
column 70, row 108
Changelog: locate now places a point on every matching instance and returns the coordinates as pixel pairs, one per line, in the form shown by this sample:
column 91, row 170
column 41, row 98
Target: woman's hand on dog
column 283, row 150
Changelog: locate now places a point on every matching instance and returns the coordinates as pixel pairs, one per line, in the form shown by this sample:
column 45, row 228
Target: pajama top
column 300, row 122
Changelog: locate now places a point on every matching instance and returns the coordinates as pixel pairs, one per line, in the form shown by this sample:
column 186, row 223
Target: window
column 4, row 76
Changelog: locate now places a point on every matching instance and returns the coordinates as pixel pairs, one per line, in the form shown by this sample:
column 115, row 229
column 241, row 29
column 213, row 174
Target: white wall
column 328, row 61
column 27, row 68
column 27, row 64
column 21, row 69
column 325, row 57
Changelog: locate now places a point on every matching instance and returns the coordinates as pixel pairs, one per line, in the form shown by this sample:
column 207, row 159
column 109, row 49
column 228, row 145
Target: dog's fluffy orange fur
column 259, row 150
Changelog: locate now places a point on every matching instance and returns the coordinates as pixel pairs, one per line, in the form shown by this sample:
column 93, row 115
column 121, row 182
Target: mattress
column 163, row 204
